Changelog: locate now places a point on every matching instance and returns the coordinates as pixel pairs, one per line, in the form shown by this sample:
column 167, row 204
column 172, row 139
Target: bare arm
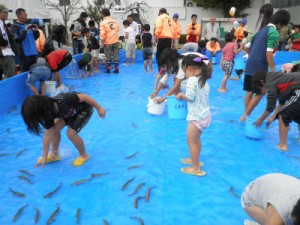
column 90, row 101
column 46, row 145
column 270, row 60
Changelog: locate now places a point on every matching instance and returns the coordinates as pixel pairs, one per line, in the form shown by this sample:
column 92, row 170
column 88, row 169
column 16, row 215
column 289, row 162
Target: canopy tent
column 34, row 8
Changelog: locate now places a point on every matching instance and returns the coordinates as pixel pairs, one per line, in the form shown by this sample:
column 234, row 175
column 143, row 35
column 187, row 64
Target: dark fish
column 20, row 153
column 131, row 93
column 8, row 130
column 134, row 125
column 4, row 154
column 138, row 218
column 148, row 193
column 19, row 213
column 136, row 201
column 126, row 184
column 232, row 121
column 26, row 172
column 131, row 156
column 21, row 195
column 12, row 109
column 78, row 216
column 75, row 183
column 37, row 215
column 232, row 191
column 49, row 195
column 51, row 218
column 295, row 157
column 137, row 189
column 94, row 175
column 105, row 222
column 134, row 167
column 25, row 178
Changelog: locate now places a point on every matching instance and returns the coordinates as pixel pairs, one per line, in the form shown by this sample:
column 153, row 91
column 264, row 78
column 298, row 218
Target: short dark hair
column 296, row 213
column 163, row 10
column 214, row 39
column 105, row 12
column 296, row 26
column 19, row 11
column 245, row 33
column 84, row 15
column 281, row 17
column 296, row 68
column 202, row 43
column 8, row 24
column 126, row 22
column 85, row 30
column 92, row 23
column 129, row 16
column 146, row 27
column 194, row 15
column 229, row 37
column 256, row 81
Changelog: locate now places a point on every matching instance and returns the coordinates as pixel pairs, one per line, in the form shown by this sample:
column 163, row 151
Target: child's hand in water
column 41, row 162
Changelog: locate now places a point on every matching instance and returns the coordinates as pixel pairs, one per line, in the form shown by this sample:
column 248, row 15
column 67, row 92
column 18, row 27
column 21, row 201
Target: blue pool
column 231, row 160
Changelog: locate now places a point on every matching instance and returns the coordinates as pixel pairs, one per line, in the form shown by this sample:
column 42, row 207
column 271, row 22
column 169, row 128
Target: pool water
column 231, row 160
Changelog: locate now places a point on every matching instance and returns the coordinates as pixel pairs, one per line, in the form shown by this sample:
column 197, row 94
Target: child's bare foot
column 221, row 90
column 234, row 78
column 283, row 148
column 146, row 71
column 243, row 118
column 192, row 171
column 96, row 71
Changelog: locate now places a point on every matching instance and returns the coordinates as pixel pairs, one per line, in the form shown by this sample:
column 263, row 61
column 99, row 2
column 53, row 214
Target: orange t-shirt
column 213, row 48
column 239, row 33
column 164, row 27
column 177, row 28
column 40, row 41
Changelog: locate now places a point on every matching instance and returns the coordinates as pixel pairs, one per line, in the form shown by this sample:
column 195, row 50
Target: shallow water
column 230, row 158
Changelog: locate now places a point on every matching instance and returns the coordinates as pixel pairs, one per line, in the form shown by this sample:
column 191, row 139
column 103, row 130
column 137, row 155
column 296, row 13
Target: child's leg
column 195, row 145
column 145, row 65
column 59, row 124
column 77, row 142
column 34, row 89
column 283, row 131
column 150, row 64
column 95, row 64
column 223, row 84
column 57, row 78
column 43, row 88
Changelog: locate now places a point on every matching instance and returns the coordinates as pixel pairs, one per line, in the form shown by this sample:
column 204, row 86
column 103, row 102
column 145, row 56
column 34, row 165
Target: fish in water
column 138, row 218
column 21, row 177
column 148, row 193
column 75, row 183
column 8, row 130
column 295, row 157
column 19, row 194
column 26, row 172
column 20, row 153
column 131, row 156
column 94, row 175
column 49, row 195
column 140, row 186
column 4, row 154
column 126, row 184
column 37, row 215
column 19, row 213
column 131, row 93
column 78, row 216
column 136, row 201
column 105, row 222
column 134, row 125
column 12, row 109
column 232, row 121
column 51, row 218
column 232, row 191
column 134, row 167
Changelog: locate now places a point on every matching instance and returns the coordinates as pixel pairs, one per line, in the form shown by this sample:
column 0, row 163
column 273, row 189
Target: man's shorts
column 290, row 110
column 147, row 53
column 78, row 121
column 247, row 83
column 41, row 74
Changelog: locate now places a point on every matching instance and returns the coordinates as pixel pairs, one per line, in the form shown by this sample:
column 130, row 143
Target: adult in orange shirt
column 193, row 30
column 164, row 33
column 177, row 28
column 239, row 33
column 109, row 36
column 213, row 46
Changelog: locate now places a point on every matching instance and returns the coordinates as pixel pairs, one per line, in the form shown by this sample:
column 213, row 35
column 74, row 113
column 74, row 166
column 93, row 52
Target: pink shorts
column 201, row 124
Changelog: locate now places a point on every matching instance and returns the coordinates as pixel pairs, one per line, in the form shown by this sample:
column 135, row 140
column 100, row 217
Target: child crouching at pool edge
column 70, row 109
column 198, row 70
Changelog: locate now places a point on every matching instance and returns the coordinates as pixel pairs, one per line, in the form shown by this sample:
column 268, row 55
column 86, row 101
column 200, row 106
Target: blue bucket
column 252, row 132
column 177, row 109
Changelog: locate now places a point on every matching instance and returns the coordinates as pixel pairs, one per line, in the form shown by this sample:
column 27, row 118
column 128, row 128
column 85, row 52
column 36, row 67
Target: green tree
column 94, row 9
column 225, row 5
column 139, row 11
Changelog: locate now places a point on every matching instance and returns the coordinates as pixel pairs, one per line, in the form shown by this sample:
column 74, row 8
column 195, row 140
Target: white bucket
column 156, row 108
column 50, row 87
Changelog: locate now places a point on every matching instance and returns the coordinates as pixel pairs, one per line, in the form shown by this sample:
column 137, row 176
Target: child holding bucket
column 197, row 91
column 289, row 100
column 70, row 109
